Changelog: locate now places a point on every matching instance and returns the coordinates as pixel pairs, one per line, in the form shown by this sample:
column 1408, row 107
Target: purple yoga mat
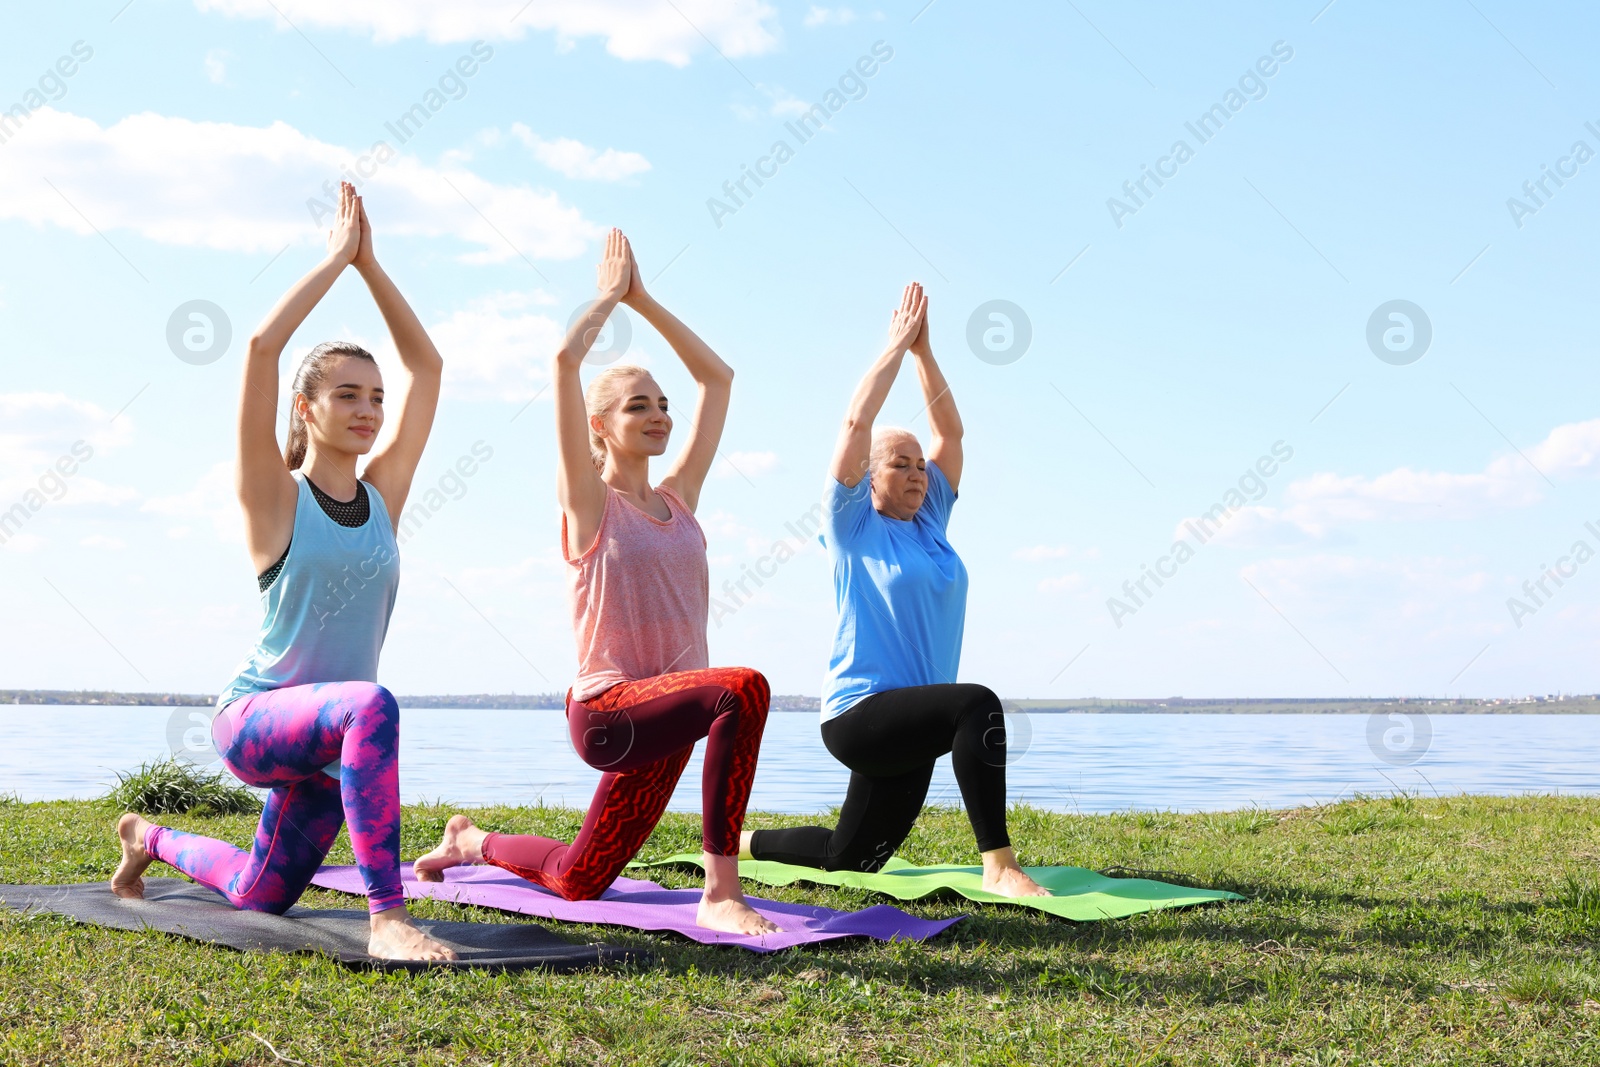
column 648, row 906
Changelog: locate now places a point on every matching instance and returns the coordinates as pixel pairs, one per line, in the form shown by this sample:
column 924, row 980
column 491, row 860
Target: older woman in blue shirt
column 891, row 705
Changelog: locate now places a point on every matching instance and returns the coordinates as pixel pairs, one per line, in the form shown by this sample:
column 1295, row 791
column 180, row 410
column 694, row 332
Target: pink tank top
column 640, row 595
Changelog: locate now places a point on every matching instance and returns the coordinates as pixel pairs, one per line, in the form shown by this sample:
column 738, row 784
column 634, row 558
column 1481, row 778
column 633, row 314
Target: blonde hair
column 601, row 396
column 309, row 379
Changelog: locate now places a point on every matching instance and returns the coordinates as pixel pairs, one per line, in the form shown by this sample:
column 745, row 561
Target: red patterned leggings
column 641, row 735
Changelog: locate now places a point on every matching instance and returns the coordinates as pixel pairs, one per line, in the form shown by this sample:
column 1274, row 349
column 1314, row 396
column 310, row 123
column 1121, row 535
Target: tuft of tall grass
column 1542, row 987
column 173, row 787
column 1582, row 898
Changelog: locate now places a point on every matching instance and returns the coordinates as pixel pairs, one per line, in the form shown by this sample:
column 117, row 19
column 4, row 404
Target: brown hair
column 601, row 396
column 309, row 380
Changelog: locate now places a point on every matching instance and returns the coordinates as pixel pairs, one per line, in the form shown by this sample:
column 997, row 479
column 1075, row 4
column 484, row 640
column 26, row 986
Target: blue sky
column 1176, row 338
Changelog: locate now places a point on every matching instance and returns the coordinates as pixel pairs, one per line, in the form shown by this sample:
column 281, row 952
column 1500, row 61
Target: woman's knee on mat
column 848, row 851
column 868, row 857
column 267, row 906
column 812, row 846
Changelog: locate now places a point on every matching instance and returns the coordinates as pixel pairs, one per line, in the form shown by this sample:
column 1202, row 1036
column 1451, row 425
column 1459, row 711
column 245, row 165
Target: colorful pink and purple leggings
column 281, row 739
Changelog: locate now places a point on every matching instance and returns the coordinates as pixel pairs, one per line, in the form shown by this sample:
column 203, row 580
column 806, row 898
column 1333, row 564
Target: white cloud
column 746, row 544
column 541, row 568
column 748, row 464
column 1380, row 593
column 216, row 64
column 112, row 544
column 724, row 524
column 496, row 347
column 786, row 105
column 577, row 160
column 43, row 436
column 1040, row 553
column 666, row 30
column 51, row 422
column 1572, row 448
column 1253, row 526
column 214, row 499
column 829, row 16
column 1318, row 506
column 246, row 189
column 1064, row 583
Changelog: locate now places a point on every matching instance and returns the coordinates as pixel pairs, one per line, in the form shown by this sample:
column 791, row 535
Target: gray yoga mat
column 176, row 906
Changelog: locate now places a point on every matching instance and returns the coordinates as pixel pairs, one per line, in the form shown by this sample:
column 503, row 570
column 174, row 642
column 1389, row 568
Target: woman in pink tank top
column 639, row 591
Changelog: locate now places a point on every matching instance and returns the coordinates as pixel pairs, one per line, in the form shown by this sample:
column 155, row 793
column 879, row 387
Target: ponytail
column 308, row 381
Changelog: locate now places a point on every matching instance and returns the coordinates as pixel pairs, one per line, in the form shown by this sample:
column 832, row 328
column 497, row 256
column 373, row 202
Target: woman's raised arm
column 394, row 464
column 714, row 381
column 265, row 486
column 579, row 490
column 943, row 418
column 853, row 453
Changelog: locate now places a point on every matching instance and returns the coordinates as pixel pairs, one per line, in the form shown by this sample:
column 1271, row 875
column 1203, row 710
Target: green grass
column 173, row 787
column 1394, row 931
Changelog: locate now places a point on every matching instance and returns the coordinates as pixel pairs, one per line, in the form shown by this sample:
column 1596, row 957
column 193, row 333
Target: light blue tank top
column 327, row 612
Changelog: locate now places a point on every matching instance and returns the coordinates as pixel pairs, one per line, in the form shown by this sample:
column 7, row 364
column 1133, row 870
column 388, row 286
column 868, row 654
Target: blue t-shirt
column 900, row 590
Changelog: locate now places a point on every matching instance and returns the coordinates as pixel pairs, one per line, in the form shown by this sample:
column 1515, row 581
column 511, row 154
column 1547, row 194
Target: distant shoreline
column 1532, row 705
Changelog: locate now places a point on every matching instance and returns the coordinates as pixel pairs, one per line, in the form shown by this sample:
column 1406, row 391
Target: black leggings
column 889, row 741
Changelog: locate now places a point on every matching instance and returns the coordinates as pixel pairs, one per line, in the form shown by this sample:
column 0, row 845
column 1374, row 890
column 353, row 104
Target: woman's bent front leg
column 283, row 739
column 298, row 827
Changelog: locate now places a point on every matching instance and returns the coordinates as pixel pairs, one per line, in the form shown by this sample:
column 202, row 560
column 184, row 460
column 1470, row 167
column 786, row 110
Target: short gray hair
column 884, row 438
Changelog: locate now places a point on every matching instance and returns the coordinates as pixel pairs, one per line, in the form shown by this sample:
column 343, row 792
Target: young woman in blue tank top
column 891, row 704
column 304, row 715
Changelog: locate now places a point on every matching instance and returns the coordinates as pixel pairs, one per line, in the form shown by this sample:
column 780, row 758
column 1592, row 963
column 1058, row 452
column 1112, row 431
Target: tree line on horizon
column 1569, row 703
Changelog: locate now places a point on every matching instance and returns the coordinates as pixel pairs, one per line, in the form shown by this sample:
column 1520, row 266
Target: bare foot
column 1004, row 876
column 396, row 937
column 744, row 844
column 722, row 906
column 462, row 843
column 1012, row 882
column 128, row 882
column 733, row 916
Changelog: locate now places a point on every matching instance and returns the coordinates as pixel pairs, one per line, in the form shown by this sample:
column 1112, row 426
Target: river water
column 1064, row 762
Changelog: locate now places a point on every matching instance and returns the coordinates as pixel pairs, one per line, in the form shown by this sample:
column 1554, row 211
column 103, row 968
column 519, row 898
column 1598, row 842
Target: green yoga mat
column 1076, row 893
